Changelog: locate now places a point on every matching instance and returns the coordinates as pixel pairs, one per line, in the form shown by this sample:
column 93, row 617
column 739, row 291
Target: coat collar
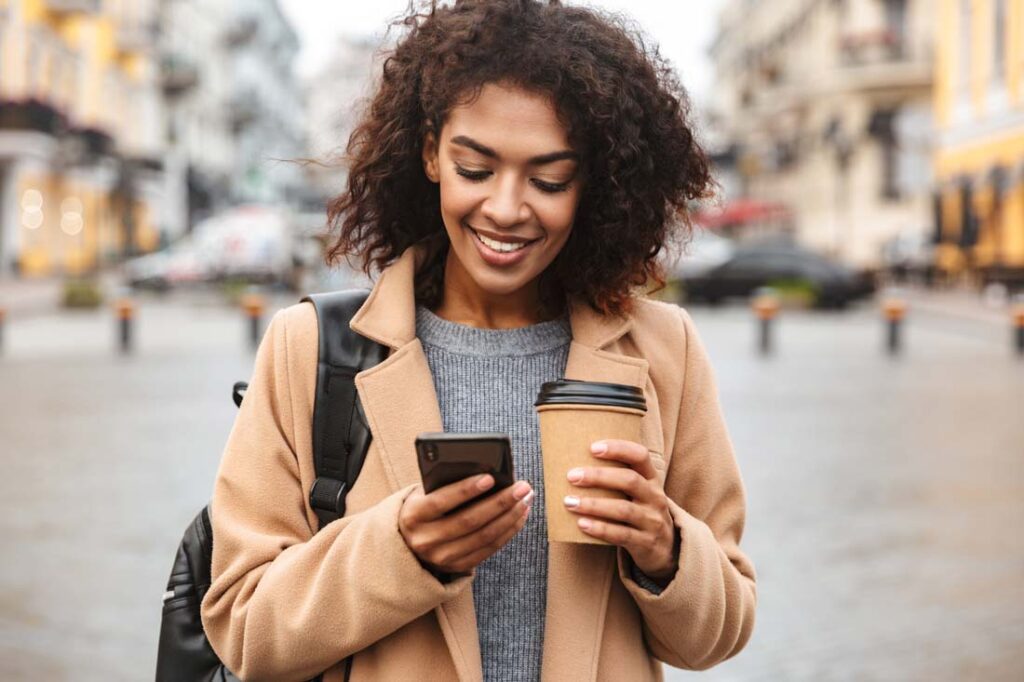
column 389, row 314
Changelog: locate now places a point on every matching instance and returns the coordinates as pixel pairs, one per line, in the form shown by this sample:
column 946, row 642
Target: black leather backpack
column 341, row 438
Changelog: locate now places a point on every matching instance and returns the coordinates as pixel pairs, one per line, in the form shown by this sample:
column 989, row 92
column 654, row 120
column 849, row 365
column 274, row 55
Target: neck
column 466, row 303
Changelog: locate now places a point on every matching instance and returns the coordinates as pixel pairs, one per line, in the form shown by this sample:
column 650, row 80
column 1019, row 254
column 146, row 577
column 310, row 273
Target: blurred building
column 335, row 96
column 266, row 111
column 235, row 116
column 979, row 109
column 825, row 107
column 124, row 122
column 197, row 91
column 80, row 142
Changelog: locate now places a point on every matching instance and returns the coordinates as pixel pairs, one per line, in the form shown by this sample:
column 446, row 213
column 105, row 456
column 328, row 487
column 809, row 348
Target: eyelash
column 480, row 176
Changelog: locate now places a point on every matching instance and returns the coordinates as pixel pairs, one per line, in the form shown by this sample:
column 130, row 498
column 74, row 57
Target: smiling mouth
column 499, row 246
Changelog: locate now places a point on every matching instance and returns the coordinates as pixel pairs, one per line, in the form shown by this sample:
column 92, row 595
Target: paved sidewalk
column 959, row 303
column 22, row 297
column 33, row 297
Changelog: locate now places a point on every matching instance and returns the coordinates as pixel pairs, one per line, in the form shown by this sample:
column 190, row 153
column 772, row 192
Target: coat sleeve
column 705, row 614
column 285, row 603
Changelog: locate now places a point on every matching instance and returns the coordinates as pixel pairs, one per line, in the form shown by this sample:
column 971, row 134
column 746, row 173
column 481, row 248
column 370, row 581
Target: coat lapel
column 579, row 576
column 399, row 400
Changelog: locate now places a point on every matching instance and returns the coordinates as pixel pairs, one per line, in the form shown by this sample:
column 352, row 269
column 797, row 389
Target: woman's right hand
column 459, row 542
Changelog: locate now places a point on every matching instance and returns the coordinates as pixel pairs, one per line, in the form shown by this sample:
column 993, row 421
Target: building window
column 896, row 22
column 965, row 44
column 882, row 127
column 999, row 42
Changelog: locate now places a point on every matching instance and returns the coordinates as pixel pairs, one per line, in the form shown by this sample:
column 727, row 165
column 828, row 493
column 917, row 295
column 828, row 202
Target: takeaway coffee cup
column 573, row 414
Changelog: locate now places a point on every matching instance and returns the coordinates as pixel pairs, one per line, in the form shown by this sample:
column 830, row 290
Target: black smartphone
column 449, row 457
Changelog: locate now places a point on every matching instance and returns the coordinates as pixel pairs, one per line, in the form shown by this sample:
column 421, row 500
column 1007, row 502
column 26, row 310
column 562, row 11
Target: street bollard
column 125, row 310
column 765, row 306
column 894, row 310
column 253, row 305
column 1018, row 329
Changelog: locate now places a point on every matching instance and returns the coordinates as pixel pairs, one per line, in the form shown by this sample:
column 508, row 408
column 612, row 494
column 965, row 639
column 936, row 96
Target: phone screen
column 445, row 458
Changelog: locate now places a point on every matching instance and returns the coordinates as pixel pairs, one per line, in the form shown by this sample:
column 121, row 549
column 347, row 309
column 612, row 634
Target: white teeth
column 503, row 247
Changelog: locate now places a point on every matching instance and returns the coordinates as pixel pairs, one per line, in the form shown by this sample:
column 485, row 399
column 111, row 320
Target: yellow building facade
column 979, row 159
column 78, row 102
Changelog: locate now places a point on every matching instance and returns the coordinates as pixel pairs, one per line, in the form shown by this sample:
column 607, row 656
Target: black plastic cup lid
column 577, row 392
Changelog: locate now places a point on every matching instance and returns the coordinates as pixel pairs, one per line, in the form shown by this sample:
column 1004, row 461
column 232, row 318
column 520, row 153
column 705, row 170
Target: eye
column 549, row 187
column 472, row 176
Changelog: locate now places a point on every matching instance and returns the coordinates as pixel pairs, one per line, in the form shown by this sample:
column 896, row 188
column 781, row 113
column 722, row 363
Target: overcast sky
column 683, row 30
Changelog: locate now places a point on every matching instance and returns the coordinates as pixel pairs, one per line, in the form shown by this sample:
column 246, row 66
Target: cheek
column 457, row 199
column 557, row 216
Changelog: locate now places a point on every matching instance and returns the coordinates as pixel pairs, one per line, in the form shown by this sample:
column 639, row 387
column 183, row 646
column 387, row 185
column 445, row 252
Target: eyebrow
column 538, row 160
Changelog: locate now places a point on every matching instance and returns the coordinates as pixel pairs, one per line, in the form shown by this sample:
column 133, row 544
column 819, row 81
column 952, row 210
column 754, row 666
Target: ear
column 431, row 164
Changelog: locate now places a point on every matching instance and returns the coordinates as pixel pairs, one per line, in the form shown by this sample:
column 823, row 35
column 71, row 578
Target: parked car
column 909, row 256
column 250, row 243
column 829, row 284
column 704, row 251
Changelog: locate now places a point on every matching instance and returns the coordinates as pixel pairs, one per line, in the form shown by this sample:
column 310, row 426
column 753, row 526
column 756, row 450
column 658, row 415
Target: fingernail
column 521, row 490
column 584, row 524
column 599, row 448
column 571, row 501
column 575, row 475
column 528, row 500
column 486, row 482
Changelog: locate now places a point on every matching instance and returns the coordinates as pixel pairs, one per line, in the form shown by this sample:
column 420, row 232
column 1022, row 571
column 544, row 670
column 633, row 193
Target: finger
column 436, row 504
column 626, row 451
column 446, row 554
column 627, row 481
column 474, row 558
column 615, row 533
column 622, row 511
column 481, row 512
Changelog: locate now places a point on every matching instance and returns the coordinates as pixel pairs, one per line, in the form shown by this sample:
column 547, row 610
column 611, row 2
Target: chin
column 499, row 285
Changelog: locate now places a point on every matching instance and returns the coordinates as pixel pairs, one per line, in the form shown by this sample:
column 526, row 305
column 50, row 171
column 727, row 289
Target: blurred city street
column 885, row 494
column 186, row 153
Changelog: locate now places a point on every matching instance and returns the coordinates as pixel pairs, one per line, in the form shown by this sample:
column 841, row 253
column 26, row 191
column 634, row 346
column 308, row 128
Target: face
column 509, row 187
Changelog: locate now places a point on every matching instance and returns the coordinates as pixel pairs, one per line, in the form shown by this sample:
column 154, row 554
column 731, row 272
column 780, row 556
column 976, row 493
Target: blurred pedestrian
column 519, row 169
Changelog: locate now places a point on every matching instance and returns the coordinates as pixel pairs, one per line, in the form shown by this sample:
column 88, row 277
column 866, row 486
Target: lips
column 497, row 241
column 493, row 256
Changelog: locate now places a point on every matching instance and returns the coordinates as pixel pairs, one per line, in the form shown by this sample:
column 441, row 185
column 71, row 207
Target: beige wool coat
column 287, row 603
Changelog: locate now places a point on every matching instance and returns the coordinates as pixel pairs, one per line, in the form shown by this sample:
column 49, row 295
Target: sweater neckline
column 468, row 340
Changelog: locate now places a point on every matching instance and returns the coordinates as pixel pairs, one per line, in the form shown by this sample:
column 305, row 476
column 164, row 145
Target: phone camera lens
column 431, row 453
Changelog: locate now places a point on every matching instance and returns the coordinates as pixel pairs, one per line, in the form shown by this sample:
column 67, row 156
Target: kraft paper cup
column 566, row 433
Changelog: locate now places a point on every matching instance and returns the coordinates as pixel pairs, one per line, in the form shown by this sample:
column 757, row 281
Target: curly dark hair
column 625, row 111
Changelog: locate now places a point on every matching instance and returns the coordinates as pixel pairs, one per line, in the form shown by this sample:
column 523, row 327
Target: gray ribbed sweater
column 487, row 380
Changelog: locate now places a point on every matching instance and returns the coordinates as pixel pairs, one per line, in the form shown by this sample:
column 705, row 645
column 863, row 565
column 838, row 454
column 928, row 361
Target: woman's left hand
column 642, row 525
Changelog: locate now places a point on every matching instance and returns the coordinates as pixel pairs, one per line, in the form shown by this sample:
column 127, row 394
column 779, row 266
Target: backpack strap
column 341, row 436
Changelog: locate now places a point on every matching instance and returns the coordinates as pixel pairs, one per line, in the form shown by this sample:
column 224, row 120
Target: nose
column 505, row 207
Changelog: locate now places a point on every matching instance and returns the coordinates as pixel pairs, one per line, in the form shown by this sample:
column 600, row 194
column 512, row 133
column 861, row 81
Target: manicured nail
column 599, row 448
column 584, row 524
column 521, row 490
column 485, row 482
column 528, row 500
column 575, row 475
column 571, row 501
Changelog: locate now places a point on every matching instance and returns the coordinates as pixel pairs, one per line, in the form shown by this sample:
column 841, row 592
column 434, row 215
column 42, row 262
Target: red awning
column 740, row 212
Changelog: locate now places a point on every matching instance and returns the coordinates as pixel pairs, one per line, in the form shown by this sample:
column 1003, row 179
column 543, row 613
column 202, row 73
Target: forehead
column 511, row 120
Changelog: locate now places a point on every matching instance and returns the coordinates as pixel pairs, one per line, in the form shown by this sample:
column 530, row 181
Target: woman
column 519, row 170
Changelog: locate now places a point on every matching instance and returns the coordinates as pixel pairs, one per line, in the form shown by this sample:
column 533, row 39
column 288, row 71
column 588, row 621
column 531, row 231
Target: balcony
column 882, row 59
column 136, row 36
column 245, row 109
column 871, row 47
column 72, row 6
column 241, row 31
column 179, row 74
